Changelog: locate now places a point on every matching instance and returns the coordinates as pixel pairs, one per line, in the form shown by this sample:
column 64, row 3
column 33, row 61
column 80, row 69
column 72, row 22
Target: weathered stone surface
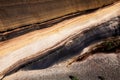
column 100, row 66
column 67, row 36
column 17, row 13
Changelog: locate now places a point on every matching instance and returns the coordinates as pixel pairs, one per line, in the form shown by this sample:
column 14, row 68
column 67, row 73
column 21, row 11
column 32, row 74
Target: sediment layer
column 68, row 36
column 18, row 13
column 110, row 28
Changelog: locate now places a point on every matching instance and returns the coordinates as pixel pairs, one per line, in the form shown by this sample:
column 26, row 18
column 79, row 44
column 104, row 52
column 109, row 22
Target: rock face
column 100, row 66
column 61, row 40
column 18, row 13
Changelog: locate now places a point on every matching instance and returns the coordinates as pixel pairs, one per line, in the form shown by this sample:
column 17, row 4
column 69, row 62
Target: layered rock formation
column 18, row 13
column 61, row 40
column 18, row 17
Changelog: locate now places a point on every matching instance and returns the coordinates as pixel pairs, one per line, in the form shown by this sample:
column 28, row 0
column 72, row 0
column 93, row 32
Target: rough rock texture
column 59, row 40
column 100, row 66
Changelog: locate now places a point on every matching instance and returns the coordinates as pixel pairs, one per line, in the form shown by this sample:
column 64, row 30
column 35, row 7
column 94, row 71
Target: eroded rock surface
column 17, row 13
column 47, row 46
column 99, row 66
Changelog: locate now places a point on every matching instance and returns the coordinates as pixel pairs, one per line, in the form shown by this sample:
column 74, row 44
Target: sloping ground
column 61, row 39
column 18, row 13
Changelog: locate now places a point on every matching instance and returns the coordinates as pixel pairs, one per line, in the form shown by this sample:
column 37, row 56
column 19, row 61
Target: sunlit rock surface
column 99, row 66
column 60, row 42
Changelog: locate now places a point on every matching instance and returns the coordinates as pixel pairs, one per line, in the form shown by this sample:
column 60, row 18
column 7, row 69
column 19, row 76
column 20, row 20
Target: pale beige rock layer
column 20, row 50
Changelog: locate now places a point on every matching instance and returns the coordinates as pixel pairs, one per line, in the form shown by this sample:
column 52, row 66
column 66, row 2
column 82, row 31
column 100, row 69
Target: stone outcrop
column 18, row 13
column 61, row 40
column 100, row 66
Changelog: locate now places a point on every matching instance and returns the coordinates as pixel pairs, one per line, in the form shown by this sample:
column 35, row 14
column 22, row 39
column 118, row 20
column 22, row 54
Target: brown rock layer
column 17, row 13
column 65, row 36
